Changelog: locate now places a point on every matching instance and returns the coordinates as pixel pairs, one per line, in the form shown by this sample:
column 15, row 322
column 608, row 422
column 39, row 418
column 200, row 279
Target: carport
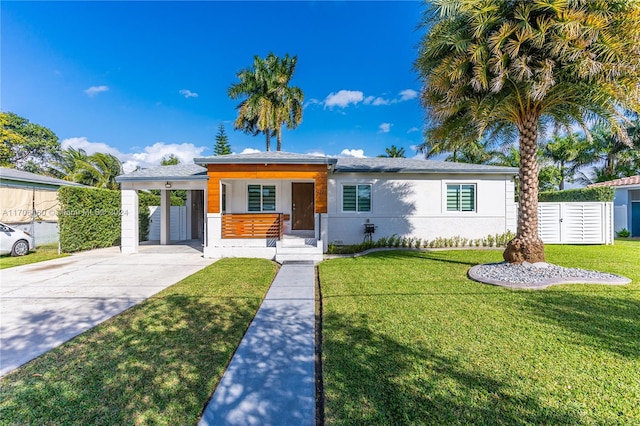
column 189, row 177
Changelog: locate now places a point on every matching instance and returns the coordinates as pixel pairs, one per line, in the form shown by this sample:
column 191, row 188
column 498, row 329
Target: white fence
column 575, row 223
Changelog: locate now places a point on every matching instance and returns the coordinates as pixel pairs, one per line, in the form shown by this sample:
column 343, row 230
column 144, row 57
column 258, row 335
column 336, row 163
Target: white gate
column 177, row 227
column 575, row 223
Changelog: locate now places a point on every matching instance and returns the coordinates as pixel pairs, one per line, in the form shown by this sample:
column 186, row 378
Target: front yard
column 41, row 253
column 409, row 339
column 155, row 363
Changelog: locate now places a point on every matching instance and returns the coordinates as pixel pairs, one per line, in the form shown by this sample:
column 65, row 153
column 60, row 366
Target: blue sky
column 146, row 79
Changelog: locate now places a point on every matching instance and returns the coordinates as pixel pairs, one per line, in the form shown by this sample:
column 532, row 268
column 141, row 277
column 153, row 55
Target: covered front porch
column 271, row 205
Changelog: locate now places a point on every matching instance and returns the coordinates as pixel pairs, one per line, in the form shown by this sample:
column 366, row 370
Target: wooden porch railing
column 252, row 225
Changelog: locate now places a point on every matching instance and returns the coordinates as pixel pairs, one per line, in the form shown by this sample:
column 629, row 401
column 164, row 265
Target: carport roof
column 159, row 173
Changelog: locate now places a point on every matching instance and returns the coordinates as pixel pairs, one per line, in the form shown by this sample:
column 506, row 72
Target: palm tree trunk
column 527, row 246
column 279, row 147
column 268, row 133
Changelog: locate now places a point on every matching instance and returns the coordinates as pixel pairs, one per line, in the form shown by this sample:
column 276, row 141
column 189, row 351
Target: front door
column 302, row 211
column 635, row 219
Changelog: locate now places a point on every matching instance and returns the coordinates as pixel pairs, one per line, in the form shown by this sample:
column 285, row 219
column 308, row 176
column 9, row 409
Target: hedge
column 90, row 218
column 598, row 193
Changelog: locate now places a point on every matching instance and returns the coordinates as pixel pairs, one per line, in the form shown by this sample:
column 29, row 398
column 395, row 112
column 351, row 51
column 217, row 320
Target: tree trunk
column 527, row 246
column 268, row 133
column 279, row 147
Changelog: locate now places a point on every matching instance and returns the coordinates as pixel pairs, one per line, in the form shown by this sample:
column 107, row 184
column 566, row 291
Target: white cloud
column 356, row 153
column 188, row 93
column 149, row 156
column 94, row 90
column 317, row 153
column 385, row 127
column 343, row 98
column 250, row 151
column 381, row 101
column 89, row 147
column 368, row 100
column 413, row 130
column 312, row 101
column 408, row 94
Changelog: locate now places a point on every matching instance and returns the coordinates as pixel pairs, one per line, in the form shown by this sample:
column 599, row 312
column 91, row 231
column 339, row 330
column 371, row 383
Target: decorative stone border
column 474, row 275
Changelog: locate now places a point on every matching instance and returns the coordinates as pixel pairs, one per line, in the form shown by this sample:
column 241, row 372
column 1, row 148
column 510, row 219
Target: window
column 262, row 198
column 461, row 198
column 356, row 198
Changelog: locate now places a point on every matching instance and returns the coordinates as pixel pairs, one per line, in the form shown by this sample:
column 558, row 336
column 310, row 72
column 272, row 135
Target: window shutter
column 349, row 198
column 364, row 198
column 269, row 198
column 468, row 199
column 452, row 197
column 254, row 198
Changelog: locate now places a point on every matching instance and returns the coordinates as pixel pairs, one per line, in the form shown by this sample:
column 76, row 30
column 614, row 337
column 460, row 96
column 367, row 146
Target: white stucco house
column 626, row 203
column 281, row 205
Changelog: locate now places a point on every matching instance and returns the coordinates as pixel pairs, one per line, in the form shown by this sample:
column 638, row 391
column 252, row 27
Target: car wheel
column 20, row 248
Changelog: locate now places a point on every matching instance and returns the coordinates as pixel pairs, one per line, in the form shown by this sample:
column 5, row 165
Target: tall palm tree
column 269, row 102
column 499, row 66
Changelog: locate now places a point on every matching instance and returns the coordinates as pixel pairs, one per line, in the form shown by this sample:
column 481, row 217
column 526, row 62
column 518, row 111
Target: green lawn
column 156, row 363
column 409, row 339
column 42, row 253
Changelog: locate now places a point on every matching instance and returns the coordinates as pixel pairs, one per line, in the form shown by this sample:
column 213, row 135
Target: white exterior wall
column 415, row 206
column 129, row 224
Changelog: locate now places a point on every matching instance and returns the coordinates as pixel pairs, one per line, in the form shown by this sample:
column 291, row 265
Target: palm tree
column 568, row 153
column 269, row 101
column 98, row 170
column 504, row 66
column 393, row 152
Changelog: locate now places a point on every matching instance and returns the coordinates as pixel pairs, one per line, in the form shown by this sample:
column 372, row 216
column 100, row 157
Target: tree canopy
column 393, row 152
column 269, row 101
column 24, row 145
column 221, row 146
column 500, row 68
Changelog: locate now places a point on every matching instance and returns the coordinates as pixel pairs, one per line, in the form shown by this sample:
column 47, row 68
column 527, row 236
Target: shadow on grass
column 444, row 256
column 606, row 322
column 370, row 378
column 156, row 363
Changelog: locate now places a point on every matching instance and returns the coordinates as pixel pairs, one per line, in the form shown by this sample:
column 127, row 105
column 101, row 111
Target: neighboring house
column 626, row 203
column 283, row 205
column 30, row 202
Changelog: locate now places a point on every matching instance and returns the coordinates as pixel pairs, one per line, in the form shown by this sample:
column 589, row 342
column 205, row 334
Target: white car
column 14, row 241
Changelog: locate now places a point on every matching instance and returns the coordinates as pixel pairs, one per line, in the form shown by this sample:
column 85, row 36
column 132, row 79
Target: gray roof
column 7, row 174
column 176, row 172
column 406, row 165
column 272, row 157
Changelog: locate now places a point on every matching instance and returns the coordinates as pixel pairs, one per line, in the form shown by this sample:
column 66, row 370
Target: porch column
column 129, row 224
column 165, row 217
column 189, row 211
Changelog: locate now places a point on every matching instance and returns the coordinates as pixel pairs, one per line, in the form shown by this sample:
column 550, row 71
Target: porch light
column 167, row 185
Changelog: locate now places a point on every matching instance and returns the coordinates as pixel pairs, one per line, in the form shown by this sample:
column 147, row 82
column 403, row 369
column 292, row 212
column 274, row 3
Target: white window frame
column 445, row 188
column 356, row 184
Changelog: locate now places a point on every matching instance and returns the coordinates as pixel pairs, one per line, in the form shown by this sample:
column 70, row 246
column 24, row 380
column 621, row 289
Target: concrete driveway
column 45, row 304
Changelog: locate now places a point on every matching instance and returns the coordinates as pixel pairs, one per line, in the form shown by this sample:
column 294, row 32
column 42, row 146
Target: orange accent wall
column 317, row 172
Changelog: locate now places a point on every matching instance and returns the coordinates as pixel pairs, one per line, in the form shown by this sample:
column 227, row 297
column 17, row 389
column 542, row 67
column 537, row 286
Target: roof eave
column 206, row 161
column 160, row 178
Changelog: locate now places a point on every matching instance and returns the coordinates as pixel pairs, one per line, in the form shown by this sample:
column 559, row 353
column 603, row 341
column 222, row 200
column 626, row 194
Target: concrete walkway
column 271, row 378
column 44, row 304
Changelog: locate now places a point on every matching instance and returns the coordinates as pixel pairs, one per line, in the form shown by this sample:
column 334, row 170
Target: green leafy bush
column 88, row 218
column 623, row 233
column 598, row 193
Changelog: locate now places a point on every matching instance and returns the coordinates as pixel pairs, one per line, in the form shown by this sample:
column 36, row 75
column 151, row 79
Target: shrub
column 598, row 193
column 623, row 233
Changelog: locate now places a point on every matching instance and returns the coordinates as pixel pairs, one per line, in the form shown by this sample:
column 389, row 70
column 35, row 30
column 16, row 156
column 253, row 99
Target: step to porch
column 297, row 249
